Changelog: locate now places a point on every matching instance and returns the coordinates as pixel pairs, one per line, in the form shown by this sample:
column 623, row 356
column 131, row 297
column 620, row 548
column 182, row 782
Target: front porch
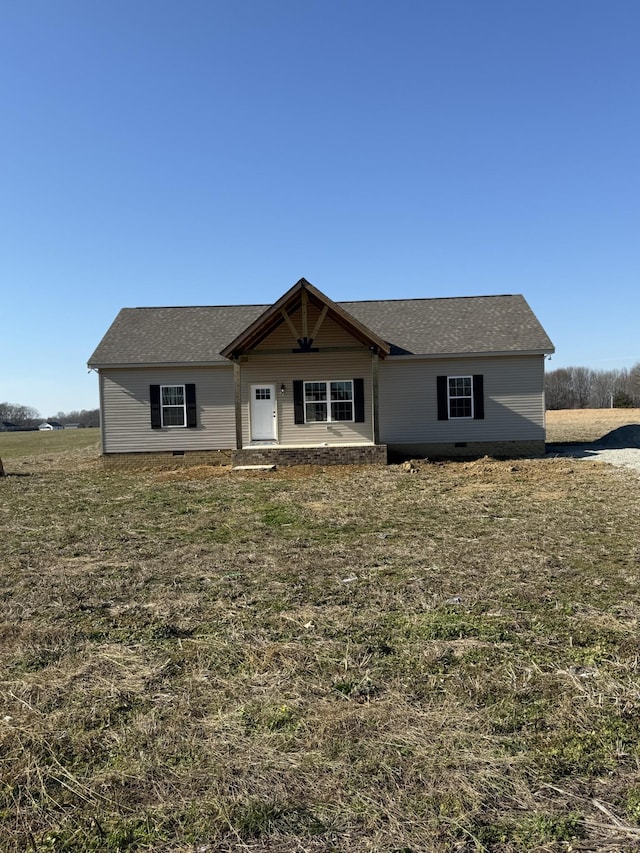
column 336, row 454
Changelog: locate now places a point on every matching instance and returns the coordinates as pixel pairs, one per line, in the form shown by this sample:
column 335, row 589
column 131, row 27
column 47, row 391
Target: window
column 328, row 401
column 460, row 397
column 173, row 406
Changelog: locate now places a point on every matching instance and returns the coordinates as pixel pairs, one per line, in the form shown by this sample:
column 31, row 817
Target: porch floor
column 257, row 445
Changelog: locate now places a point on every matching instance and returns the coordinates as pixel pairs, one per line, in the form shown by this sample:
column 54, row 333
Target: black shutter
column 478, row 397
column 358, row 401
column 154, row 398
column 443, row 402
column 190, row 399
column 298, row 401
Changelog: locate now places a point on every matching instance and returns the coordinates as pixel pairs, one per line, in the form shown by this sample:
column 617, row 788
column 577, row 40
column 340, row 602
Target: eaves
column 150, row 365
column 450, row 355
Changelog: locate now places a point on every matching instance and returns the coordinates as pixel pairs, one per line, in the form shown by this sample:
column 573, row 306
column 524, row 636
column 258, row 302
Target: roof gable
column 282, row 311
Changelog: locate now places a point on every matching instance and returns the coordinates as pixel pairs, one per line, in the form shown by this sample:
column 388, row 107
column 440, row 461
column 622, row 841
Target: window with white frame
column 173, row 405
column 460, row 396
column 328, row 401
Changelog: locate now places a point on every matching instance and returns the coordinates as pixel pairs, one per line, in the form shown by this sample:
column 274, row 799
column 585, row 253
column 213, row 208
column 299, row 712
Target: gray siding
column 513, row 400
column 126, row 420
column 281, row 370
column 513, row 396
column 341, row 357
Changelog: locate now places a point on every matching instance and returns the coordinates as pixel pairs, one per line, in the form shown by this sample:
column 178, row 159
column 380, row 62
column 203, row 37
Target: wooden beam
column 375, row 361
column 319, row 322
column 305, row 306
column 289, row 323
column 238, row 400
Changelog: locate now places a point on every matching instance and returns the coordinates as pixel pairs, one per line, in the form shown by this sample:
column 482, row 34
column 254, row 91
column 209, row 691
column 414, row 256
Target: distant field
column 319, row 660
column 566, row 425
column 16, row 445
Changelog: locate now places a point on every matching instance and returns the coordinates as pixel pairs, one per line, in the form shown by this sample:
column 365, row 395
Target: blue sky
column 215, row 151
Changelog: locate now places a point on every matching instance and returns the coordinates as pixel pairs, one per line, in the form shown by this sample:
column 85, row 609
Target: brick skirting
column 467, row 450
column 366, row 454
column 166, row 460
column 369, row 454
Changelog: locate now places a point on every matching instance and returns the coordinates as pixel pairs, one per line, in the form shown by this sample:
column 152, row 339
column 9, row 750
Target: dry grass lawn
column 569, row 425
column 319, row 659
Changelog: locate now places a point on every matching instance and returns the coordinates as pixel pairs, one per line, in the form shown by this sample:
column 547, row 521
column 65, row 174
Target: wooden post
column 238, row 399
column 375, row 361
column 305, row 305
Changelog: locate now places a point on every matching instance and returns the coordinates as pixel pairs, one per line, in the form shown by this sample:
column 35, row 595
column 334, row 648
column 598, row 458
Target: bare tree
column 634, row 384
column 557, row 389
column 605, row 385
column 21, row 416
column 581, row 387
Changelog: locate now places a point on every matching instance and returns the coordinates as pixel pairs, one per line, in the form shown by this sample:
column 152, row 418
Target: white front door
column 263, row 413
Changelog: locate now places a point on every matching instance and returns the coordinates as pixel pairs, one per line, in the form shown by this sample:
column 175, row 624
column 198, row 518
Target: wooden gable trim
column 298, row 297
column 289, row 322
column 304, row 310
column 319, row 322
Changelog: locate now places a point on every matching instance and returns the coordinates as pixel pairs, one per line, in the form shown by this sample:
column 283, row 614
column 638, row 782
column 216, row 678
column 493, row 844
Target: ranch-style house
column 309, row 380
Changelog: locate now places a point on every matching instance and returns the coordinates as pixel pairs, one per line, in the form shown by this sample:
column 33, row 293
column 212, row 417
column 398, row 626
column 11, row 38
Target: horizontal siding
column 126, row 421
column 276, row 370
column 513, row 399
column 513, row 392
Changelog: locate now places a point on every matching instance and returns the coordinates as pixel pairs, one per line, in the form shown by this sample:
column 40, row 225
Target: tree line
column 26, row 417
column 583, row 388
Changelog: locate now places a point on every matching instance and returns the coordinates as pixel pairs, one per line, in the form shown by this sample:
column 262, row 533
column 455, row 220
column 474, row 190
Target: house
column 49, row 425
column 307, row 379
column 7, row 426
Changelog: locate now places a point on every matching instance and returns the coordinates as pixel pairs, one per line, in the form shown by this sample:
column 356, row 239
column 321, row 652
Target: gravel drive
column 620, row 447
column 628, row 457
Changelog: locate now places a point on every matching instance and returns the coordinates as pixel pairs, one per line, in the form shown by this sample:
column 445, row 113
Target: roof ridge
column 162, row 307
column 432, row 298
column 338, row 302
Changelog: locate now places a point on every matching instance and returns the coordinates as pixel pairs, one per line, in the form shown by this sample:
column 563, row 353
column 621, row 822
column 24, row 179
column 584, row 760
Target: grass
column 21, row 445
column 329, row 660
column 585, row 425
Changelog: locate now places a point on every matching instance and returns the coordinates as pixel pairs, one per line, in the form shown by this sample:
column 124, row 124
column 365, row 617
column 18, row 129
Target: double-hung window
column 328, row 401
column 460, row 397
column 173, row 405
column 460, row 392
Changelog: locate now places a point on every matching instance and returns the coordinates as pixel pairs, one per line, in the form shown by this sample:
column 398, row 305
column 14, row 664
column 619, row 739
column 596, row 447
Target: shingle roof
column 192, row 335
column 196, row 335
column 466, row 324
